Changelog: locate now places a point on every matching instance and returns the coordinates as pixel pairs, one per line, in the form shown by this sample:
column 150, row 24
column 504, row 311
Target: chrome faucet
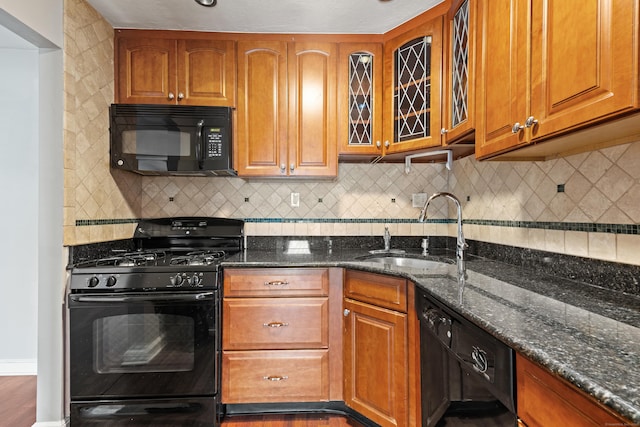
column 387, row 239
column 461, row 244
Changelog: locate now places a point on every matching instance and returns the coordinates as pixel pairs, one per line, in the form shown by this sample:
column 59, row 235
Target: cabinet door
column 206, row 72
column 412, row 70
column 376, row 363
column 312, row 110
column 547, row 401
column 503, row 34
column 584, row 59
column 360, row 99
column 261, row 132
column 146, row 71
column 458, row 117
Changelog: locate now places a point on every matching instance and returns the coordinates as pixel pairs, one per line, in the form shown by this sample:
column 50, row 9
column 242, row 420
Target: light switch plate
column 295, row 200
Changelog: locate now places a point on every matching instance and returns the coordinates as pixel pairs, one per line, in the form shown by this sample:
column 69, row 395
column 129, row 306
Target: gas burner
column 198, row 258
column 132, row 259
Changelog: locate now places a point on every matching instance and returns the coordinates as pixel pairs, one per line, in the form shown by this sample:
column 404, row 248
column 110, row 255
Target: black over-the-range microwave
column 172, row 139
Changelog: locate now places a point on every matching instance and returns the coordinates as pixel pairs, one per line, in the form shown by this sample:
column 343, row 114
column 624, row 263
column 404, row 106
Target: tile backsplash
column 586, row 205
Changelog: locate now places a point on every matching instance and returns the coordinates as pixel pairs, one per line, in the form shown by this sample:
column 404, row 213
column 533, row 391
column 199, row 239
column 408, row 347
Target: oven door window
column 143, row 342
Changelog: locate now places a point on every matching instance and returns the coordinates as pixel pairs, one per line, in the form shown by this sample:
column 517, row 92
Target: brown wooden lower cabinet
column 275, row 376
column 544, row 400
column 281, row 335
column 381, row 349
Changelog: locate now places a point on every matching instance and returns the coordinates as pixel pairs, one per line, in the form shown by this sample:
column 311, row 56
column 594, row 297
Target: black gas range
column 170, row 254
column 144, row 326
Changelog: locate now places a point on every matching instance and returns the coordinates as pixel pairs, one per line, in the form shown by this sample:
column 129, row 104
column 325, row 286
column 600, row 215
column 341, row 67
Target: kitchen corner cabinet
column 458, row 117
column 547, row 68
column 360, row 100
column 279, row 329
column 545, row 400
column 413, row 83
column 154, row 69
column 376, row 350
column 286, row 117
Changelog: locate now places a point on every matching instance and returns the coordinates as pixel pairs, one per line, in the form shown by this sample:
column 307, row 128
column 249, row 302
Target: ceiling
column 264, row 16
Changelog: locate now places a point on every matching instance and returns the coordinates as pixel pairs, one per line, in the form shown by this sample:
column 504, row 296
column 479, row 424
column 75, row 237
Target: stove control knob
column 111, row 281
column 177, row 280
column 93, row 282
column 195, row 280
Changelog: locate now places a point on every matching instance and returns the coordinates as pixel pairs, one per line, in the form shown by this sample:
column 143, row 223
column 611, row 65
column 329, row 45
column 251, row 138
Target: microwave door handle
column 199, row 145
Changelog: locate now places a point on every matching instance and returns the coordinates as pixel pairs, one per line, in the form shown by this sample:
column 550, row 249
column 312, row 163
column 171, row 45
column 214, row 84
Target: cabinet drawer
column 271, row 282
column 275, row 323
column 275, row 376
column 382, row 291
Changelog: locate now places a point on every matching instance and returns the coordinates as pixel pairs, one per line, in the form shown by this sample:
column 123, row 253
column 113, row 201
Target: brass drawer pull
column 275, row 378
column 276, row 283
column 275, row 324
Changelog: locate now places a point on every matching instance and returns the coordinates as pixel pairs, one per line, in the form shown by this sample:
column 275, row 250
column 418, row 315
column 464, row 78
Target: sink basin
column 399, row 261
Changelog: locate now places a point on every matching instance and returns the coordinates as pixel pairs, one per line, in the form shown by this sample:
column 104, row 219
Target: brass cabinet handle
column 276, row 283
column 275, row 324
column 275, row 377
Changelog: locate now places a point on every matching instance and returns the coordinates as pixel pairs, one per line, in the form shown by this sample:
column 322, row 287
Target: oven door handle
column 202, row 296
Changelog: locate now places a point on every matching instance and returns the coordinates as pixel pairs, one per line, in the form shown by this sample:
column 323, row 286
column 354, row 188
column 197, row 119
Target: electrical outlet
column 295, row 200
column 418, row 200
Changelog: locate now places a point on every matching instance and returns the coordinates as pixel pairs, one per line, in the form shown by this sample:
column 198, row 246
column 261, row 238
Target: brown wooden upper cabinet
column 153, row 67
column 550, row 67
column 458, row 115
column 360, row 100
column 412, row 84
column 286, row 119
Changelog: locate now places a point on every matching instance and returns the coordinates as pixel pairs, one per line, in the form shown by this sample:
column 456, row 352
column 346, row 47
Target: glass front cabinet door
column 360, row 100
column 459, row 112
column 413, row 81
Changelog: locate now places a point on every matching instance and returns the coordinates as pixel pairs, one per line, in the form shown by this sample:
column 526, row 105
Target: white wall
column 19, row 216
column 31, row 176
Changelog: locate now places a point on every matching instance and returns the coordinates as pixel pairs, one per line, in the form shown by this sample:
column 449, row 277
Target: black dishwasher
column 467, row 375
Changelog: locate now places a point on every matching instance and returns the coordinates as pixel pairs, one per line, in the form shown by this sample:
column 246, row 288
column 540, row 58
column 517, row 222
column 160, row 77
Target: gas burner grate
column 198, row 258
column 133, row 259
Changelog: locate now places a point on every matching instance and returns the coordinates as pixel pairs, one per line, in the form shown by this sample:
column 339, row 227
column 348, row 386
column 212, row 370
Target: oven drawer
column 263, row 282
column 275, row 323
column 275, row 376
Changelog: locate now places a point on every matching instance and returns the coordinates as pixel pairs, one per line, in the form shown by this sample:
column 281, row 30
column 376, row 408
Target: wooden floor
column 289, row 421
column 18, row 401
column 18, row 409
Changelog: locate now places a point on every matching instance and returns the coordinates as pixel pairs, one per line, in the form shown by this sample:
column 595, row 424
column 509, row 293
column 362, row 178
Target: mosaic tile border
column 633, row 229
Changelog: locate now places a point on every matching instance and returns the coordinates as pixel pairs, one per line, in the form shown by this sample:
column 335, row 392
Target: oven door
column 143, row 345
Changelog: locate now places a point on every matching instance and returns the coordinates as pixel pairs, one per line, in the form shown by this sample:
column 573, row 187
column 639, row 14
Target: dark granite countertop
column 588, row 335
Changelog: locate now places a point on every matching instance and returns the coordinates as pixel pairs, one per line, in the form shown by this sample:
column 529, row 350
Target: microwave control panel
column 214, row 142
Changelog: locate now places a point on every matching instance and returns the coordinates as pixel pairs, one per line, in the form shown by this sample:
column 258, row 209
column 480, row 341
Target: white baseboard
column 11, row 367
column 61, row 423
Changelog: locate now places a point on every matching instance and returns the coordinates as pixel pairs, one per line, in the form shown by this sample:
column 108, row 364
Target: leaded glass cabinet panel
column 360, row 99
column 459, row 112
column 413, row 63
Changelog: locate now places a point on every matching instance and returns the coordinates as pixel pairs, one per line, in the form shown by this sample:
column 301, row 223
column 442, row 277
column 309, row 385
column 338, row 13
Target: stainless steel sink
column 399, row 261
